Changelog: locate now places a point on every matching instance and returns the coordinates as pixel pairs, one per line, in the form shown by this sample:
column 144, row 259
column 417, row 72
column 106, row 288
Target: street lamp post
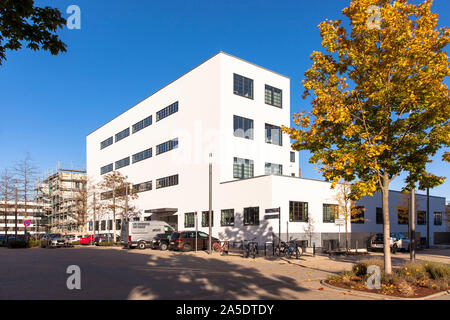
column 210, row 204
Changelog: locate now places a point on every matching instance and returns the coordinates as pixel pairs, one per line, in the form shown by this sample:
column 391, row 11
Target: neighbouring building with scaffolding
column 60, row 194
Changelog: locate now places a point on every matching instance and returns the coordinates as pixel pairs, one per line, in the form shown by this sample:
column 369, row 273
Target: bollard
column 265, row 247
column 356, row 246
column 314, row 249
column 296, row 251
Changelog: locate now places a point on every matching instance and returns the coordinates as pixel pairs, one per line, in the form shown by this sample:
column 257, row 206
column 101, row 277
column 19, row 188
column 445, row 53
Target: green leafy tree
column 379, row 103
column 22, row 22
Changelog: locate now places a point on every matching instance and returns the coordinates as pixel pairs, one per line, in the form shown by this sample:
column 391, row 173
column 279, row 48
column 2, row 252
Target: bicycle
column 222, row 248
column 250, row 248
column 288, row 249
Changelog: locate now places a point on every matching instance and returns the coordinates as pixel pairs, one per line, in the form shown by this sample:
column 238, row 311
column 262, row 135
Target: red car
column 87, row 240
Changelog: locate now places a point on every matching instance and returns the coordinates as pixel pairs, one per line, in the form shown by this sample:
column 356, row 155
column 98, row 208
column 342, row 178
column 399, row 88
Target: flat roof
column 183, row 76
column 311, row 179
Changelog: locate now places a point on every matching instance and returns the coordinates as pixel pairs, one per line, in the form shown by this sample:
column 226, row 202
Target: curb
column 383, row 296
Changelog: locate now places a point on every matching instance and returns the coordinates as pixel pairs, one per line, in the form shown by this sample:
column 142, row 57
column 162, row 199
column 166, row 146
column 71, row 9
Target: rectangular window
column 110, row 224
column 96, row 225
column 103, row 225
column 106, row 143
column 205, row 218
column 298, row 211
column 167, row 181
column 438, row 218
column 142, row 187
column 292, row 156
column 251, row 216
column 330, row 212
column 379, row 217
column 274, row 96
column 243, row 127
column 421, row 217
column 357, row 215
column 227, row 218
column 123, row 163
column 106, row 169
column 106, row 195
column 243, row 86
column 189, row 220
column 142, row 155
column 402, row 216
column 167, row 111
column 118, row 224
column 142, row 124
column 273, row 135
column 242, row 168
column 122, row 134
column 167, row 146
column 271, row 168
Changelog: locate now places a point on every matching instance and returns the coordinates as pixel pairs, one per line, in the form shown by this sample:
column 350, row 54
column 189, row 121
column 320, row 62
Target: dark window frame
column 106, row 143
column 122, row 163
column 167, row 111
column 144, row 123
column 226, row 221
column 166, row 146
column 106, row 169
column 239, row 86
column 272, row 91
column 247, row 133
column 270, row 138
column 122, row 134
column 298, row 216
column 243, row 166
column 205, row 217
column 251, row 216
column 379, row 215
column 187, row 219
column 168, row 181
column 141, row 156
column 329, row 217
column 437, row 221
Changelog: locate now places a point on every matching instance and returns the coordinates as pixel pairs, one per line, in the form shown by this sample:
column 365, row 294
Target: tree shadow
column 120, row 274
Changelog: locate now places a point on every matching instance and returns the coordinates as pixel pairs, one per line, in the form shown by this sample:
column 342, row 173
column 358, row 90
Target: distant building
column 58, row 195
column 9, row 221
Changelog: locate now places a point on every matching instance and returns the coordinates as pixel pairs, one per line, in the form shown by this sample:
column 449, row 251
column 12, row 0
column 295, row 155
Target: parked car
column 140, row 233
column 397, row 241
column 161, row 241
column 54, row 240
column 105, row 237
column 401, row 241
column 87, row 240
column 185, row 240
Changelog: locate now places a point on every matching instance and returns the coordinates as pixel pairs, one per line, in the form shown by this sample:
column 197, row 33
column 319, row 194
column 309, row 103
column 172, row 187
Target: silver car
column 54, row 240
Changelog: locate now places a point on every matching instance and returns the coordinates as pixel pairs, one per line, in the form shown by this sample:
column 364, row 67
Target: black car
column 161, row 241
column 105, row 237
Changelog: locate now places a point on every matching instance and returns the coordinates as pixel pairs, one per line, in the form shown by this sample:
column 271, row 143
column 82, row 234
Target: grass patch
column 106, row 244
column 34, row 243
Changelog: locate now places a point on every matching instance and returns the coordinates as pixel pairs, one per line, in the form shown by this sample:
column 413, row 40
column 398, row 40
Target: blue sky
column 126, row 50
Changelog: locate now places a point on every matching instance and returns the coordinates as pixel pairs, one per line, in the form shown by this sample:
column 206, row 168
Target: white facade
column 204, row 125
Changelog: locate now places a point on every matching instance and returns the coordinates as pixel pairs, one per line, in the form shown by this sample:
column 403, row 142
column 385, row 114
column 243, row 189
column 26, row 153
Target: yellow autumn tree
column 379, row 103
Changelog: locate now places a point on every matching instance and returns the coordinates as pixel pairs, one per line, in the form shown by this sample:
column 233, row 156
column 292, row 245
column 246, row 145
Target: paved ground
column 114, row 273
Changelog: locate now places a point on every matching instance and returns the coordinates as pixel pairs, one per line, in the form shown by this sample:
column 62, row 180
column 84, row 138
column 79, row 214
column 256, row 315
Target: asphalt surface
column 114, row 273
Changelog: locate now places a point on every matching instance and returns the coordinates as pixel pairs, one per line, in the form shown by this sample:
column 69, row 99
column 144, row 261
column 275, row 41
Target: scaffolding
column 58, row 193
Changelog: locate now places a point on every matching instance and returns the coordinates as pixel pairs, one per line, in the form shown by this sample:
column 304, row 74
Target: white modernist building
column 228, row 112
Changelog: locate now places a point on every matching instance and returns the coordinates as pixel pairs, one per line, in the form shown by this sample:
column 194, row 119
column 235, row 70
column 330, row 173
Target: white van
column 140, row 233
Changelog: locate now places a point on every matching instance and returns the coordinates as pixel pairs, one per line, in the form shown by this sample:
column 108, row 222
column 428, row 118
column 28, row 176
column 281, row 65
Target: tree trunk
column 386, row 226
column 114, row 214
column 346, row 236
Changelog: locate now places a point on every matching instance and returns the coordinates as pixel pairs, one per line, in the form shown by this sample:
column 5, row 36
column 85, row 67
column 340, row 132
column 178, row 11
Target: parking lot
column 116, row 273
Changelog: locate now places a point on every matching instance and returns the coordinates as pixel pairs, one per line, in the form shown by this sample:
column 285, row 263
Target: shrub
column 412, row 272
column 17, row 244
column 360, row 269
column 106, row 244
column 405, row 289
column 76, row 243
column 1, row 243
column 437, row 271
column 33, row 243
